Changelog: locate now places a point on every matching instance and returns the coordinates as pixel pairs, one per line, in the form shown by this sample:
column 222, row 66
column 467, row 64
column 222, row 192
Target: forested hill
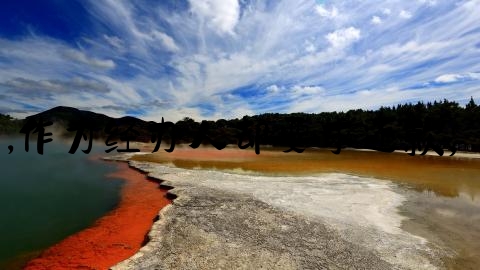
column 442, row 124
column 8, row 125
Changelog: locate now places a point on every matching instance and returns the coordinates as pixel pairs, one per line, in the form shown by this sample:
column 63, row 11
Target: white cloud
column 474, row 76
column 272, row 89
column 308, row 90
column 428, row 2
column 451, row 78
column 166, row 40
column 404, row 14
column 343, row 37
column 309, row 47
column 82, row 58
column 135, row 33
column 448, row 78
column 472, row 4
column 292, row 52
column 322, row 11
column 114, row 41
column 376, row 20
column 74, row 85
column 124, row 93
column 222, row 15
column 380, row 68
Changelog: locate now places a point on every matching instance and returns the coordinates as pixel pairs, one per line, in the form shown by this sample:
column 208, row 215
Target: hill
column 438, row 125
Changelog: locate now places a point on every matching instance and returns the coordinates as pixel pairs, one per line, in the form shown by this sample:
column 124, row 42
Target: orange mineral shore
column 114, row 237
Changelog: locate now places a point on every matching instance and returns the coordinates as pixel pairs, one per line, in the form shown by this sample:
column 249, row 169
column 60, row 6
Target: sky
column 212, row 59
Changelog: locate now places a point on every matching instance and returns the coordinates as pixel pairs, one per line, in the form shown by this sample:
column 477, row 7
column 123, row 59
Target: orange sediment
column 114, row 237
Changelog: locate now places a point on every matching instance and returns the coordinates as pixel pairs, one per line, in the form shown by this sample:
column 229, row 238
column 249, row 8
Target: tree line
column 444, row 124
column 441, row 124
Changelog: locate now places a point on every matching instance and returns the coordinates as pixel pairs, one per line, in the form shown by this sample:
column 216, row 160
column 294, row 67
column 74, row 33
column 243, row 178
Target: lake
column 442, row 193
column 45, row 198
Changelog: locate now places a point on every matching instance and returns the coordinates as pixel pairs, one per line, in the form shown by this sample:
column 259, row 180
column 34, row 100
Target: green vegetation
column 8, row 125
column 443, row 124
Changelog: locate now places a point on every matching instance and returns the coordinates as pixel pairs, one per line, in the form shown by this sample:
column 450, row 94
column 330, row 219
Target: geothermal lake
column 427, row 202
column 44, row 199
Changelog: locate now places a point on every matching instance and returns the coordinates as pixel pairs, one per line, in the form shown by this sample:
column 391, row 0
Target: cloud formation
column 452, row 78
column 376, row 20
column 211, row 59
column 82, row 58
column 33, row 87
column 343, row 37
column 221, row 15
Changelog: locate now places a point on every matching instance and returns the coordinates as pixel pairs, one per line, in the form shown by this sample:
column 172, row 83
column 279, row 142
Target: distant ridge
column 68, row 117
column 443, row 124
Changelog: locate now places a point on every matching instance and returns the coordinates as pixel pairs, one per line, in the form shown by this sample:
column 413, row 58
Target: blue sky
column 210, row 59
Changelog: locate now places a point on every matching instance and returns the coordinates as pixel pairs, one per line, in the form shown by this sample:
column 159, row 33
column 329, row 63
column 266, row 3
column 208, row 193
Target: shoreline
column 227, row 224
column 443, row 256
column 117, row 235
column 158, row 237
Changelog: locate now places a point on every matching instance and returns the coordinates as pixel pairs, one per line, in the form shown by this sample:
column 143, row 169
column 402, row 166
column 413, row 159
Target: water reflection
column 443, row 202
column 446, row 176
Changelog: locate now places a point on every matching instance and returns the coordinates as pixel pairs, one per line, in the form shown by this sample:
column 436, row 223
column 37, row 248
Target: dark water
column 45, row 198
